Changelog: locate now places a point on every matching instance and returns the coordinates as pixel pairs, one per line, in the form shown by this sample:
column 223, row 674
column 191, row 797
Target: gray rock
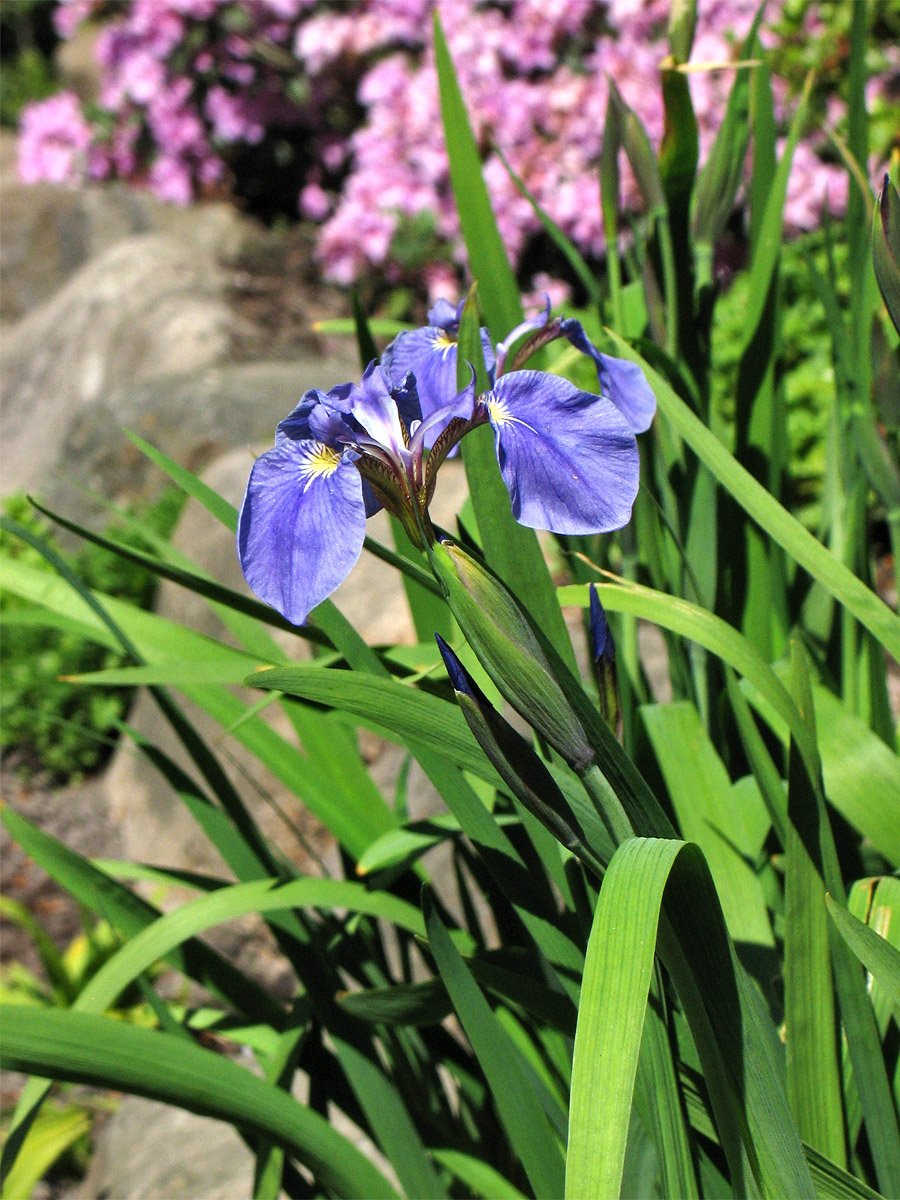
column 151, row 1151
column 47, row 231
column 193, row 417
column 146, row 308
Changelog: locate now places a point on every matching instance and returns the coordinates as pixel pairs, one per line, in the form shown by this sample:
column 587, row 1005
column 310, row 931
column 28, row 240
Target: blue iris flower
column 568, row 457
column 429, row 353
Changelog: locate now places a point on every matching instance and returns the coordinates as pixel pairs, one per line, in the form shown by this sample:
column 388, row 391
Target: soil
column 77, row 816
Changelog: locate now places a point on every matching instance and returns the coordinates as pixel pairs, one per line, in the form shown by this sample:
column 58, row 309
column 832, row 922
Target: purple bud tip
column 455, row 670
column 601, row 638
column 459, row 676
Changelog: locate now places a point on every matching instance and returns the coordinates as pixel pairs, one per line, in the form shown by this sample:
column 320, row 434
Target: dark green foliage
column 27, row 39
column 50, row 724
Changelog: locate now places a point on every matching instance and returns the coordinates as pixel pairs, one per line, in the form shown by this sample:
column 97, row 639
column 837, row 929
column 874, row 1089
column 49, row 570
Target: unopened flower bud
column 603, row 651
column 505, row 643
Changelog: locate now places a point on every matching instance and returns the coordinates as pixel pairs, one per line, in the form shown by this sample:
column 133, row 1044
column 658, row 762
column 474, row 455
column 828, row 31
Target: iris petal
column 372, row 405
column 301, row 526
column 568, row 458
column 430, row 354
column 622, row 381
column 462, row 406
column 313, row 413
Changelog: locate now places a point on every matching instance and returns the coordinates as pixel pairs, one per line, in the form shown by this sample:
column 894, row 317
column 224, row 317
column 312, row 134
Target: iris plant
column 568, row 457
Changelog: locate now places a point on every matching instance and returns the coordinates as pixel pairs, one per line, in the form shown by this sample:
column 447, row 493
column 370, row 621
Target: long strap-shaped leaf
column 520, row 1111
column 815, row 558
column 91, row 1049
column 614, row 993
column 874, row 952
column 746, row 1092
column 510, row 548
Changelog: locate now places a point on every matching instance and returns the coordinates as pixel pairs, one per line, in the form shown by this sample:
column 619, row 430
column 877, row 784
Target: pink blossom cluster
column 184, row 82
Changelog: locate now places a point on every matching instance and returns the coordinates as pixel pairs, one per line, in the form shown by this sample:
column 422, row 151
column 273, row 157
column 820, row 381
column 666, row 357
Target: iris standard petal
column 621, row 380
column 301, row 526
column 373, row 407
column 313, row 405
column 462, row 406
column 430, row 354
column 568, row 458
column 443, row 313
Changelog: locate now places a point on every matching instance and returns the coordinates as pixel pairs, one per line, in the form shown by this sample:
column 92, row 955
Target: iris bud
column 604, row 660
column 505, row 643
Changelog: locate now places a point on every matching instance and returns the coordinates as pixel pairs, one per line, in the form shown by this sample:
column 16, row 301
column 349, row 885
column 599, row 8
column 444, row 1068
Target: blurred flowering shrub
column 340, row 101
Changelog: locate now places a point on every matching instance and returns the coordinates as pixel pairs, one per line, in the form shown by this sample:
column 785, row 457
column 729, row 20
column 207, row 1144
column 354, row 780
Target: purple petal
column 446, row 315
column 430, row 354
column 373, row 406
column 310, row 419
column 428, row 431
column 622, row 381
column 604, row 647
column 301, row 526
column 530, row 326
column 568, row 458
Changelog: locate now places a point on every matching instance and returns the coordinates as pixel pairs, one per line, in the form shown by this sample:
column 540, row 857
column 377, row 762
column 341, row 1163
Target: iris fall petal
column 622, row 381
column 568, row 458
column 301, row 526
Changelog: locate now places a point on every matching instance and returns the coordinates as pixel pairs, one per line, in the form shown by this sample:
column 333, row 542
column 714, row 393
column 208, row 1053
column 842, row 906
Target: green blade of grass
column 875, row 953
column 520, row 1112
column 51, row 1135
column 563, row 243
column 614, row 992
column 95, row 1050
column 700, row 791
column 480, row 1177
column 394, row 1128
column 862, row 776
column 811, row 1032
column 810, row 554
column 487, row 256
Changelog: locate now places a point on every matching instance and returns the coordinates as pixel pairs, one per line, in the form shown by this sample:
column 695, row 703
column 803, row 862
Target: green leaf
column 659, row 1102
column 480, row 1177
column 520, row 1112
column 406, row 844
column 487, row 256
column 862, row 776
column 875, row 953
column 392, row 1125
column 701, row 795
column 89, row 1049
column 810, row 554
column 767, row 248
column 368, row 351
column 189, row 578
column 679, row 149
column 399, row 710
column 886, row 248
column 378, row 326
column 259, row 896
column 563, row 243
column 707, row 630
column 614, row 992
column 811, row 1030
column 720, row 176
column 425, row 1003
column 128, row 914
column 49, row 1138
column 211, row 500
column 833, row 1182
